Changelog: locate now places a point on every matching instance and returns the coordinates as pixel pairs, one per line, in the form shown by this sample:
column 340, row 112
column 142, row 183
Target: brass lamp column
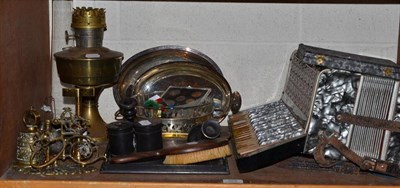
column 88, row 66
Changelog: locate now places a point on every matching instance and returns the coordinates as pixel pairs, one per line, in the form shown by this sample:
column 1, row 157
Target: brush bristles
column 199, row 156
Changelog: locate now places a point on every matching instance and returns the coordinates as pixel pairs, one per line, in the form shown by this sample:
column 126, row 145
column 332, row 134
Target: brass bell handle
column 31, row 119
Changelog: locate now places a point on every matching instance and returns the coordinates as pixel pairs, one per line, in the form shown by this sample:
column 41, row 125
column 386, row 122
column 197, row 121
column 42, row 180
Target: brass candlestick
column 88, row 66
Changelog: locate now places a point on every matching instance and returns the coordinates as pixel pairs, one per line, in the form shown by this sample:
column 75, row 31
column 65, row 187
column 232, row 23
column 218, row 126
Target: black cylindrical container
column 148, row 135
column 120, row 138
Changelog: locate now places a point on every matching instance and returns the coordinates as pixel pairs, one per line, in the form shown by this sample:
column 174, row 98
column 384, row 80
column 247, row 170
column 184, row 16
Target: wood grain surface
column 25, row 67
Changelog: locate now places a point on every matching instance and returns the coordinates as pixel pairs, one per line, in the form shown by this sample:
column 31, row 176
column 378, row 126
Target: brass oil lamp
column 88, row 67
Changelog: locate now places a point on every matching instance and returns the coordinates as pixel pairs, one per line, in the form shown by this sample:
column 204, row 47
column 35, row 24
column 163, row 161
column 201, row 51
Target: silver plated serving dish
column 153, row 71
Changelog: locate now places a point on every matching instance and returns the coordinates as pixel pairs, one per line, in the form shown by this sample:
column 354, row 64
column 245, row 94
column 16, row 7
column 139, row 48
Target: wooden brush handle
column 181, row 149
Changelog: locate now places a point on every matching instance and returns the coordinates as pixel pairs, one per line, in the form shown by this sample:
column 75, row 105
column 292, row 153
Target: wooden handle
column 181, row 149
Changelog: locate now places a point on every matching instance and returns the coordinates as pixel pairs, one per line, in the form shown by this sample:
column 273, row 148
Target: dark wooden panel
column 25, row 67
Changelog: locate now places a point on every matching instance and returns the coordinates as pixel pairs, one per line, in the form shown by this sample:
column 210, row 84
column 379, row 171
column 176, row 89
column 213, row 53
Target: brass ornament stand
column 57, row 147
column 88, row 66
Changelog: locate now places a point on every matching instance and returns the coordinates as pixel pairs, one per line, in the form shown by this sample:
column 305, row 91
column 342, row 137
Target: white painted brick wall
column 251, row 43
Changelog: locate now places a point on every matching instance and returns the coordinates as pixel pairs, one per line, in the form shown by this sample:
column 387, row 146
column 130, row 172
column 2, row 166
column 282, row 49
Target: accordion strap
column 365, row 163
column 393, row 126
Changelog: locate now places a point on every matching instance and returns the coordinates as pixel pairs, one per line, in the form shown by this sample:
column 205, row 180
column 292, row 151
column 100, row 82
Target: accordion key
column 321, row 85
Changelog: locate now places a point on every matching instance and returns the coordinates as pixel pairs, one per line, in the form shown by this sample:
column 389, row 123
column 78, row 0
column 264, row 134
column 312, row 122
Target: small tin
column 121, row 137
column 148, row 134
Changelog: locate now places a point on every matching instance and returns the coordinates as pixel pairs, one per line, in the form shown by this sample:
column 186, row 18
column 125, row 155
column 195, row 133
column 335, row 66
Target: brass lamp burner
column 88, row 18
column 88, row 66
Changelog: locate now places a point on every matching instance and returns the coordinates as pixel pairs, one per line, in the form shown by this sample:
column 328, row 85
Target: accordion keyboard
column 263, row 127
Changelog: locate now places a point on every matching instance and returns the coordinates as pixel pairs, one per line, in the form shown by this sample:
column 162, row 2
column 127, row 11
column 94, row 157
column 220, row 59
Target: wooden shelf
column 25, row 71
column 298, row 171
column 282, row 174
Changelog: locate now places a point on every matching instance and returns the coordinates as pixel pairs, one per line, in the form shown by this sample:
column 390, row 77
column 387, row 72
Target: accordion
column 328, row 94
